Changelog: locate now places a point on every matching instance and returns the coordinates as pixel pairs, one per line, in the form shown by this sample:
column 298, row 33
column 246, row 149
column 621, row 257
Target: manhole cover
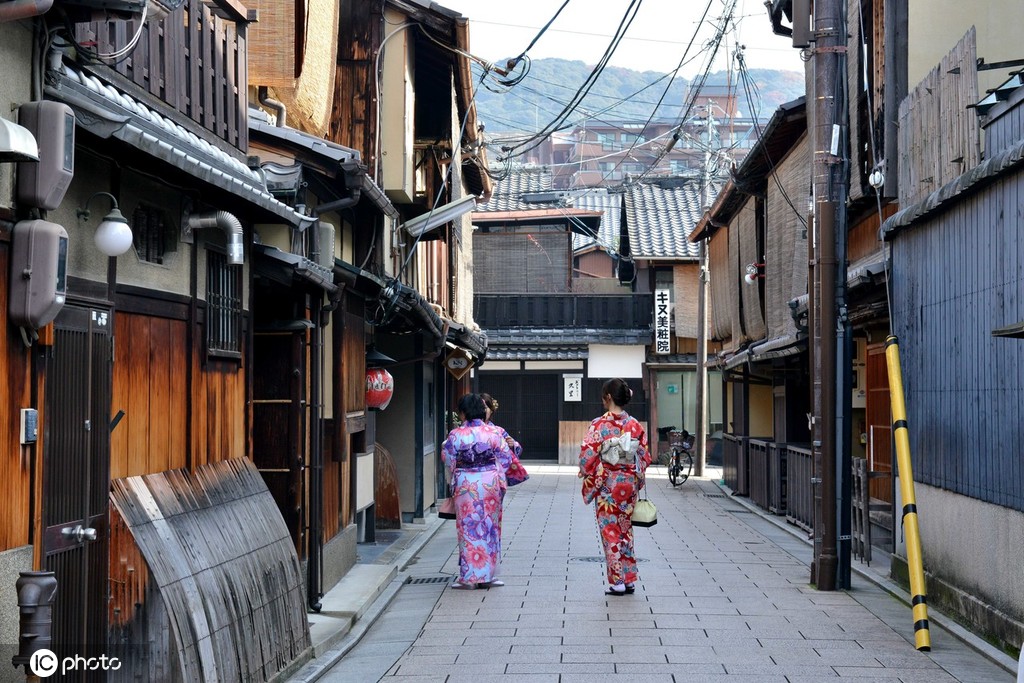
column 597, row 558
column 427, row 579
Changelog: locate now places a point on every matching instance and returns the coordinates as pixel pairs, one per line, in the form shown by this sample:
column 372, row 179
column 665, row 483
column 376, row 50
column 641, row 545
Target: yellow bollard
column 901, row 435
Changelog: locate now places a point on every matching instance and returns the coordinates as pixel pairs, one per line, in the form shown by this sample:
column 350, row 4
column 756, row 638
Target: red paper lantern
column 380, row 387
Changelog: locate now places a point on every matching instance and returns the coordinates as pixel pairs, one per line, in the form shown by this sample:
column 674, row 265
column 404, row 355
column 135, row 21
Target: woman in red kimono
column 613, row 458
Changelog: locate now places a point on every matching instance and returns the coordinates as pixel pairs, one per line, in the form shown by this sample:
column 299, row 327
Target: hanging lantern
column 380, row 387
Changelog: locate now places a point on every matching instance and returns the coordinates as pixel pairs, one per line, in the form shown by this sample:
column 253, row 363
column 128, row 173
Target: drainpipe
column 23, row 9
column 265, row 99
column 227, row 222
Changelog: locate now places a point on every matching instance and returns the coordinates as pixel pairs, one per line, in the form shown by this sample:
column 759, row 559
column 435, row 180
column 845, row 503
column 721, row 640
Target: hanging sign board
column 458, row 363
column 572, row 387
column 662, row 321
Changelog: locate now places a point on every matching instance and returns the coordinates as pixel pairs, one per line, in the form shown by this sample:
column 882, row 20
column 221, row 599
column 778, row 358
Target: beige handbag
column 645, row 513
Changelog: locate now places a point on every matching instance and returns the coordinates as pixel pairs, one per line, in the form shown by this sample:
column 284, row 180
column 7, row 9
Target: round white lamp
column 113, row 235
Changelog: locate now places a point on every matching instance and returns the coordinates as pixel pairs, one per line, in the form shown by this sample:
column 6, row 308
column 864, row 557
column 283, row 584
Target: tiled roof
column 564, row 336
column 508, row 192
column 660, row 215
column 537, row 353
column 610, row 205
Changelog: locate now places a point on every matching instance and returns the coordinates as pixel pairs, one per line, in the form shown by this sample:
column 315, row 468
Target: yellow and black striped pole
column 901, row 435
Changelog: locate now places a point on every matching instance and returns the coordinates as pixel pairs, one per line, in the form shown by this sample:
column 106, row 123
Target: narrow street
column 723, row 593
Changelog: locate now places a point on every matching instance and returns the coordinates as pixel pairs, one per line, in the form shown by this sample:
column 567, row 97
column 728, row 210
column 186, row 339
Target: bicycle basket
column 678, row 439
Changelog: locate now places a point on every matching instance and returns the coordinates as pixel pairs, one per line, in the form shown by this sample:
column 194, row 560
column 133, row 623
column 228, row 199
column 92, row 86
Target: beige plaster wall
column 936, row 26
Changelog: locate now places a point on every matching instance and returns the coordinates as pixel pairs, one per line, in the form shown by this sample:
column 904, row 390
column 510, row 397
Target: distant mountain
column 619, row 94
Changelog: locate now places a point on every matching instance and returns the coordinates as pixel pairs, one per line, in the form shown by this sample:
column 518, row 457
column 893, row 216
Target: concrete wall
column 936, row 26
column 339, row 556
column 973, row 568
column 15, row 89
column 12, row 562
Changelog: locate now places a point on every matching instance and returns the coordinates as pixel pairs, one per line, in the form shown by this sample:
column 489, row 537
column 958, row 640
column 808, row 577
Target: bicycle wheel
column 675, row 469
column 685, row 467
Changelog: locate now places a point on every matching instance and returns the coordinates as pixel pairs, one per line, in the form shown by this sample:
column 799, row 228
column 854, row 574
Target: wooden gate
column 279, row 425
column 528, row 410
column 76, row 477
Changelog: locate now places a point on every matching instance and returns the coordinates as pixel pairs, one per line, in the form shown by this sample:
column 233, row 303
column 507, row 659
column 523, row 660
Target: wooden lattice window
column 223, row 307
column 150, row 236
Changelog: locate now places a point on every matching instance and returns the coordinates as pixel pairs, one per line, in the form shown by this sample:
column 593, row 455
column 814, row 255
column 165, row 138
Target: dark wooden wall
column 353, row 115
column 15, row 460
column 217, row 405
column 150, row 386
column 956, row 277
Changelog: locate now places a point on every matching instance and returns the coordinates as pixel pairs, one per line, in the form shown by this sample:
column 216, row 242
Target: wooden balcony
column 193, row 61
column 594, row 311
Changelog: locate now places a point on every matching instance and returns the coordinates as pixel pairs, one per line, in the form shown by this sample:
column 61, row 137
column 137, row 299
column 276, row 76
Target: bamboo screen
column 271, row 51
column 309, row 102
column 718, row 265
column 786, row 240
column 533, row 262
column 751, row 319
column 687, row 291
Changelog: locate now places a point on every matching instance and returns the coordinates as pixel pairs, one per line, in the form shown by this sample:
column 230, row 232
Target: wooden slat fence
column 757, row 451
column 800, row 489
column 191, row 60
column 224, row 566
column 939, row 137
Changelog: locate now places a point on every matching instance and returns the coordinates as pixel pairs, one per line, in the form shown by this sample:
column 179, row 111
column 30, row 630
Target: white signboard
column 573, row 387
column 662, row 321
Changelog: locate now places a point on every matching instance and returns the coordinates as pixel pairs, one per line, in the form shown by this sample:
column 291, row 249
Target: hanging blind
column 721, row 292
column 786, row 240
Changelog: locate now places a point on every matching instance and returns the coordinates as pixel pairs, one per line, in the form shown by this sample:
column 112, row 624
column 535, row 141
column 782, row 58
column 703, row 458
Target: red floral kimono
column 613, row 488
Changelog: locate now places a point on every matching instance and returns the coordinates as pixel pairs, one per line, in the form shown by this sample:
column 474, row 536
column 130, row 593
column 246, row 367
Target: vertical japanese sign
column 573, row 387
column 662, row 322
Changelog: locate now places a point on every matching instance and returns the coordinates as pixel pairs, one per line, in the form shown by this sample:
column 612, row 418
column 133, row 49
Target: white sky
column 656, row 40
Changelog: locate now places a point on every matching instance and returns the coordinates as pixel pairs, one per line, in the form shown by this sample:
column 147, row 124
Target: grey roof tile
column 660, row 215
column 508, row 192
column 610, row 205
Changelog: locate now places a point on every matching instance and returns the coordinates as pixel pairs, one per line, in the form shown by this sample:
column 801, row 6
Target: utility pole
column 701, row 437
column 830, row 357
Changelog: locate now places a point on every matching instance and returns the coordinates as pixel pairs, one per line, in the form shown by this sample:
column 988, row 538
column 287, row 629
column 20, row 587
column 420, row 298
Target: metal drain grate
column 420, row 580
column 715, row 495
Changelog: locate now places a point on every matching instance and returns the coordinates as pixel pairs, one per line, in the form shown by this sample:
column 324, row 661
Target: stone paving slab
column 724, row 597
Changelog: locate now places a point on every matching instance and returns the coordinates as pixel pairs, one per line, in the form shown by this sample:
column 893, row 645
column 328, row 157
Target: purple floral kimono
column 613, row 489
column 477, row 456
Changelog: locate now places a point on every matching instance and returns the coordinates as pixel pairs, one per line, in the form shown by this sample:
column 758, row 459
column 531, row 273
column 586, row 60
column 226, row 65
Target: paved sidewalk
column 723, row 592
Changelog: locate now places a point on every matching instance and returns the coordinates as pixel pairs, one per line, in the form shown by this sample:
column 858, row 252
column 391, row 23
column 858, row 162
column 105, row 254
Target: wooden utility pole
column 830, row 356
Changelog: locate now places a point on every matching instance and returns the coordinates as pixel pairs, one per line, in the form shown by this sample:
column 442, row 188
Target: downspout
column 267, row 101
column 227, row 222
column 13, row 10
column 316, row 456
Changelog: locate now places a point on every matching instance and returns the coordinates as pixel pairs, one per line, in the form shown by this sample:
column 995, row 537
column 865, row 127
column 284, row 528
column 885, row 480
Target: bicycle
column 680, row 463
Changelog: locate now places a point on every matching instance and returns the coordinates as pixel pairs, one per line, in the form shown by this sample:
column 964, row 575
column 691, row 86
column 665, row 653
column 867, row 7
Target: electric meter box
column 39, row 266
column 43, row 183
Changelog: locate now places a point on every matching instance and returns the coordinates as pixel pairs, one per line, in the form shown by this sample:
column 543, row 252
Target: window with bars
column 223, row 307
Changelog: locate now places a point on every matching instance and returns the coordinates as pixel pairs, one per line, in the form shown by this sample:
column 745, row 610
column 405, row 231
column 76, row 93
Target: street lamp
column 113, row 235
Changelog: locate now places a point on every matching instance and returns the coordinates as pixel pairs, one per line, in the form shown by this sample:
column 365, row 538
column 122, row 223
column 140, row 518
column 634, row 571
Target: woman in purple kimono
column 515, row 473
column 477, row 456
column 613, row 458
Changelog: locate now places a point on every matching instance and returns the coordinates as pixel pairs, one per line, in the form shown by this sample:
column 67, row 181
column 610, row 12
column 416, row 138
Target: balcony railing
column 596, row 311
column 192, row 60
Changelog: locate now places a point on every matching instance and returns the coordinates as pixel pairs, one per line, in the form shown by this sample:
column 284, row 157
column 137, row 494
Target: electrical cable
column 746, row 83
column 711, row 47
column 584, row 89
column 114, row 57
